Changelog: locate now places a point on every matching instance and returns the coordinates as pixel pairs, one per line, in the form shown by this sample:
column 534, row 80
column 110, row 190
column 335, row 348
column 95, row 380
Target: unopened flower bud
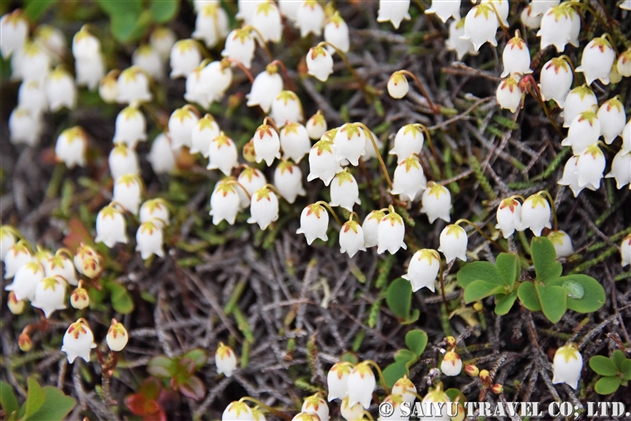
column 472, row 370
column 24, row 342
column 15, row 306
column 509, row 93
column 451, row 364
column 398, row 85
column 92, row 266
column 79, row 298
column 497, row 388
column 319, row 63
column 225, row 360
column 117, row 336
column 623, row 65
column 316, row 126
column 485, row 376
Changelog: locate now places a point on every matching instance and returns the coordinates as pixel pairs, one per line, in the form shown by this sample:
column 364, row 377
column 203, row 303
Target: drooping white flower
column 289, row 9
column 621, row 169
column 71, row 147
column 60, row 90
column 539, row 7
column 529, row 19
column 625, row 5
column 34, row 63
column 90, row 72
column 225, row 202
column 390, row 233
column 314, row 221
column 267, row 21
column 319, row 63
column 562, row 243
column 344, row 191
column 24, row 127
column 625, row 251
column 240, row 46
column 393, row 11
column 53, row 41
column 14, row 29
column 404, row 388
column 162, row 40
column 536, row 214
column 439, row 400
column 154, row 209
column 202, row 134
column 445, row 9
column 509, row 216
column 398, row 85
column 266, row 144
column 584, row 131
column 598, row 57
column 575, row 30
column 570, row 176
column 316, row 405
column 131, row 126
column 310, row 18
column 185, row 57
column 225, row 360
column 237, row 411
column 351, row 238
column 323, row 163
column 316, row 125
column 222, row 154
column 590, row 166
column 117, row 336
column 211, row 25
column 579, row 99
column 516, row 57
column 337, row 380
column 214, row 79
column 251, row 180
column 247, row 8
column 612, row 119
column 453, row 243
column 361, row 384
column 61, row 265
column 502, row 7
column 509, row 93
column 15, row 257
column 50, row 295
column 407, row 142
column 133, row 86
column 350, row 411
column 294, row 141
column 128, row 192
column 350, row 143
column 288, row 181
column 25, row 280
column 457, row 42
column 336, row 33
column 623, row 64
column 556, row 80
column 305, row 416
column 481, row 25
column 108, row 87
column 32, row 97
column 263, row 208
column 370, row 226
column 78, row 341
column 110, row 226
column 626, row 137
column 192, row 93
column 409, row 179
column 286, row 107
column 147, row 58
column 423, row 269
column 266, row 87
column 123, row 160
column 181, row 125
column 149, row 239
column 556, row 27
column 436, row 202
column 79, row 298
column 567, row 366
column 7, row 240
column 451, row 364
column 162, row 156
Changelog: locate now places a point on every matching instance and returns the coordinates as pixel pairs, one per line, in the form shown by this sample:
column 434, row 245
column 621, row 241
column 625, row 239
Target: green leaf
column 8, row 401
column 56, row 405
column 607, row 385
column 121, row 300
column 603, row 365
column 404, row 356
column 553, row 300
column 478, row 290
column 544, row 257
column 593, row 297
column 193, row 388
column 399, row 298
column 479, row 271
column 509, row 268
column 198, row 356
column 412, row 318
column 35, row 8
column 504, row 302
column 618, row 358
column 416, row 341
column 528, row 296
column 127, row 29
column 161, row 366
column 625, row 369
column 164, row 10
column 394, row 372
column 35, row 397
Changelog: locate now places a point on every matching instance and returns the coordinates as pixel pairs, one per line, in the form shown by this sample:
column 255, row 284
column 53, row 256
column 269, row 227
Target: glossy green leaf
column 56, row 406
column 394, row 372
column 121, row 300
column 504, row 302
column 509, row 268
column 416, row 341
column 399, row 298
column 164, row 10
column 593, row 297
column 411, row 318
column 198, row 356
column 625, row 369
column 553, row 300
column 545, row 259
column 36, row 8
column 603, row 365
column 528, row 296
column 128, row 29
column 478, row 290
column 404, row 356
column 161, row 366
column 618, row 357
column 8, row 401
column 479, row 271
column 607, row 385
column 35, row 397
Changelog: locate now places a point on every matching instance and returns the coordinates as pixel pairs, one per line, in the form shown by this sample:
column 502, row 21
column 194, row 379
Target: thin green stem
column 381, row 378
column 379, row 157
column 266, row 407
column 466, row 221
column 366, row 413
column 441, row 274
column 430, row 141
column 554, row 211
column 435, row 109
column 326, row 205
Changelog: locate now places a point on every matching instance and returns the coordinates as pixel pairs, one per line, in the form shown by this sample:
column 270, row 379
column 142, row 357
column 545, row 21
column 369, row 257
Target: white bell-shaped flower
column 78, row 341
column 314, row 221
column 14, row 29
column 457, row 41
column 162, row 156
column 117, row 336
column 316, row 125
column 181, row 125
column 316, row 405
column 438, row 402
column 222, row 154
column 409, row 179
column 350, row 411
column 225, row 360
column 288, row 181
column 15, row 257
column 567, row 366
column 60, row 90
column 536, row 214
column 128, row 192
column 310, row 18
column 556, row 80
column 31, row 96
column 481, row 25
column 350, row 143
column 237, row 411
column 294, row 141
column 336, row 32
column 251, row 180
column 25, row 280
column 562, row 243
column 289, row 9
column 24, row 127
column 267, row 21
column 625, row 5
column 79, row 298
column 286, row 107
column 214, row 79
column 351, row 238
column 436, row 202
column 509, row 93
column 445, row 9
column 556, row 27
column 267, row 85
column 202, row 134
column 390, row 233
column 61, row 265
column 451, row 365
column 85, row 46
column 453, row 243
column 407, row 142
column 147, row 58
column 133, row 86
column 323, row 163
column 184, row 58
column 247, row 8
column 192, row 93
column 131, row 126
column 35, row 62
column 423, row 269
column 590, row 166
column 404, row 388
column 625, row 251
column 149, row 239
column 337, row 380
column 584, row 131
column 71, row 147
column 53, row 40
column 570, row 177
column 108, row 87
column 123, row 160
column 529, row 19
column 509, row 216
column 393, row 11
column 266, row 144
column 623, row 64
column 621, row 169
column 240, row 46
column 361, row 384
column 370, row 226
column 612, row 119
column 7, row 240
column 598, row 57
column 154, row 209
column 398, row 85
column 110, row 226
column 371, row 150
column 263, row 208
column 344, row 191
column 211, row 25
column 626, row 137
column 50, row 295
column 575, row 30
column 225, row 202
column 516, row 56
column 319, row 63
column 539, row 7
column 89, row 72
column 502, row 7
column 579, row 99
column 82, row 255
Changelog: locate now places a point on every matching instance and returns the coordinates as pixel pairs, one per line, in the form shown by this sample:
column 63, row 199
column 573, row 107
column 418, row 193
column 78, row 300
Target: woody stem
column 466, row 221
column 420, row 86
column 267, row 408
column 381, row 378
column 554, row 211
column 326, row 205
column 379, row 157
